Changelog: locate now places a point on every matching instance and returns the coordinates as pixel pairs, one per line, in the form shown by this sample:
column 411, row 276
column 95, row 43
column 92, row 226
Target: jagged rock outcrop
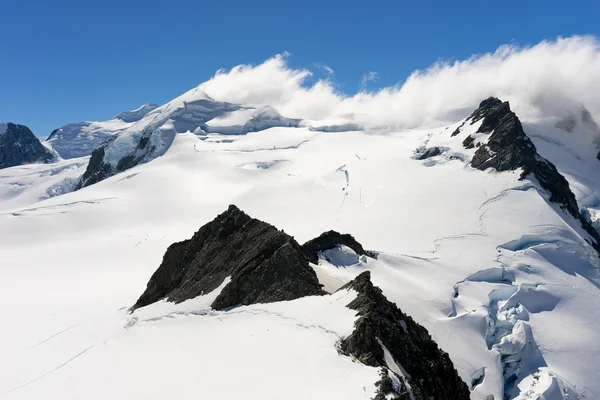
column 418, row 365
column 506, row 147
column 18, row 146
column 329, row 240
column 264, row 263
column 96, row 170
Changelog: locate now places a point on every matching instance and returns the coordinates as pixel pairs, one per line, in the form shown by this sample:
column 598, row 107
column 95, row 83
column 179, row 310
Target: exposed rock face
column 96, row 169
column 18, row 146
column 425, row 153
column 329, row 240
column 265, row 265
column 143, row 142
column 509, row 148
column 428, row 371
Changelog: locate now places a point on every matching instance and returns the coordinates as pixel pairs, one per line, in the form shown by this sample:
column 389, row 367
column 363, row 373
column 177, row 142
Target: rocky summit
column 267, row 265
column 18, row 146
column 507, row 147
column 264, row 264
column 413, row 365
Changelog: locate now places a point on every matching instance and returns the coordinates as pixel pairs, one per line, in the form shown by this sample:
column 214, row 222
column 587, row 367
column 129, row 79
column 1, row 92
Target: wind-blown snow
column 538, row 80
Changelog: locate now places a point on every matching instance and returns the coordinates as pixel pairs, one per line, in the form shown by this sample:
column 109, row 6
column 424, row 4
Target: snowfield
column 504, row 280
column 481, row 259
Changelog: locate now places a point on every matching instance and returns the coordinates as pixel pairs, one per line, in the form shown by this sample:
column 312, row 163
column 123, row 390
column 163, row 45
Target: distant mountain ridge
column 152, row 135
column 18, row 146
column 80, row 139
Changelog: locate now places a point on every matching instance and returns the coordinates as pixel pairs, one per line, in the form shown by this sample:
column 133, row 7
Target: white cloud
column 368, row 77
column 541, row 79
column 327, row 68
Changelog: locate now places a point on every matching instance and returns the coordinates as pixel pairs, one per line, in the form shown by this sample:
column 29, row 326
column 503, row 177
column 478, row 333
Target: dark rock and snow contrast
column 329, row 240
column 384, row 335
column 503, row 145
column 263, row 265
column 80, row 139
column 18, row 146
column 451, row 257
column 248, row 261
column 151, row 135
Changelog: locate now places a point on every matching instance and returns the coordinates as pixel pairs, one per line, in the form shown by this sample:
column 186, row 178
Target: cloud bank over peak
column 542, row 80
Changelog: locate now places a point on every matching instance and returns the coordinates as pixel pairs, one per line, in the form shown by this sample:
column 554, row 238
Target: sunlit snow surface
column 481, row 259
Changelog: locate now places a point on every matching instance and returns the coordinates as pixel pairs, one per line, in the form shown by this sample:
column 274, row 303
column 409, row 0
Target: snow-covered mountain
column 18, row 145
column 484, row 232
column 151, row 136
column 137, row 114
column 80, row 139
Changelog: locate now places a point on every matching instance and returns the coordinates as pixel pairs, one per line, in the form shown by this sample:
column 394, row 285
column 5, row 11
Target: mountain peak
column 18, row 145
column 263, row 263
column 504, row 146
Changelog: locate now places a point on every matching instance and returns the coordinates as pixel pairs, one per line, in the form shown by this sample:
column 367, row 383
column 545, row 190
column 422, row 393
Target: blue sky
column 63, row 61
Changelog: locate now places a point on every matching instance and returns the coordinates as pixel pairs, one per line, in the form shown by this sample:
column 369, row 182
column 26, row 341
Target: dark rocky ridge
column 18, row 146
column 329, row 240
column 380, row 322
column 96, row 170
column 265, row 265
column 508, row 148
column 192, row 117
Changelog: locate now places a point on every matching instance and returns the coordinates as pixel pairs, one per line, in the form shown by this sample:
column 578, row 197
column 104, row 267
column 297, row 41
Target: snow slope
column 79, row 139
column 502, row 278
column 195, row 112
column 137, row 114
column 29, row 184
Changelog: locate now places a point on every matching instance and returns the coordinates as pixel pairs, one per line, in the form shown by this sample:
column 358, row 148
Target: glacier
column 505, row 280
